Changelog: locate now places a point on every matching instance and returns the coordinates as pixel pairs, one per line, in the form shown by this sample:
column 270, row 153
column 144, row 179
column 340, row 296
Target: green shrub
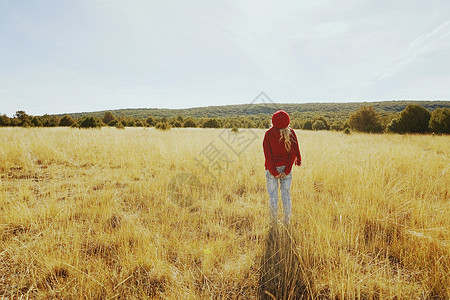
column 190, row 123
column 440, row 120
column 151, row 121
column 319, row 125
column 212, row 123
column 413, row 119
column 114, row 123
column 365, row 119
column 36, row 122
column 234, row 129
column 108, row 117
column 90, row 122
column 66, row 121
column 4, row 120
column 162, row 126
column 139, row 123
column 325, row 122
column 49, row 121
column 307, row 125
column 177, row 124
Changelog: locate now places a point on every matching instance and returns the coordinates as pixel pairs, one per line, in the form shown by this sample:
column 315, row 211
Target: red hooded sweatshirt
column 276, row 154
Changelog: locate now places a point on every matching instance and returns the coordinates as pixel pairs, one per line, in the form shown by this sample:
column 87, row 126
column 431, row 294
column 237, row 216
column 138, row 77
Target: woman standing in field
column 281, row 151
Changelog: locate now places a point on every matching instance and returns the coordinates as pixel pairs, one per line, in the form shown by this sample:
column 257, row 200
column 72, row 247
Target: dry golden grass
column 91, row 214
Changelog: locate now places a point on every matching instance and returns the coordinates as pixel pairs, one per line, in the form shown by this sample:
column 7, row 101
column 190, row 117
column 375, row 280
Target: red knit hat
column 280, row 119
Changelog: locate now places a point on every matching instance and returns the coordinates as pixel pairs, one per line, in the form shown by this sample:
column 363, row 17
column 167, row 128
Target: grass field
column 106, row 214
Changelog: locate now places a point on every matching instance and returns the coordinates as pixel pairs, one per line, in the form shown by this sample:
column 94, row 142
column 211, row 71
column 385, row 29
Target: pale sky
column 90, row 55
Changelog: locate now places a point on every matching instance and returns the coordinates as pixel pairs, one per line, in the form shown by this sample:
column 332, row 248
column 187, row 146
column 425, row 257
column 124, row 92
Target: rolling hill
column 330, row 110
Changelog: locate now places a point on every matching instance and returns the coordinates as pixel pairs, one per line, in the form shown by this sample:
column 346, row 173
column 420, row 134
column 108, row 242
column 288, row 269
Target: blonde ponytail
column 286, row 135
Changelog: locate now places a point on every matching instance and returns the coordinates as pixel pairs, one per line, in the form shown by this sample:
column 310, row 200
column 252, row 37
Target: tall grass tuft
column 283, row 272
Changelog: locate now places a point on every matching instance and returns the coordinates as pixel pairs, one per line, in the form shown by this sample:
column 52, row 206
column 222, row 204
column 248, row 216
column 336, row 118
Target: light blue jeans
column 272, row 184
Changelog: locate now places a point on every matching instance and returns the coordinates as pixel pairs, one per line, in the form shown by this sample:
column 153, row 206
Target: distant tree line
column 412, row 119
